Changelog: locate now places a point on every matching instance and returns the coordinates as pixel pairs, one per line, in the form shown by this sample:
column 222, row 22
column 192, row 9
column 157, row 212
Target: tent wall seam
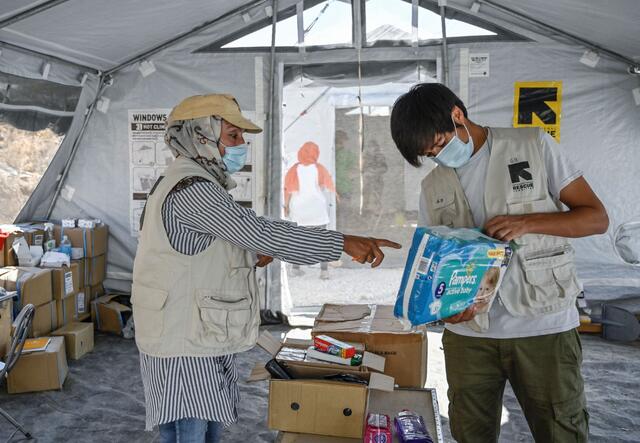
column 102, row 84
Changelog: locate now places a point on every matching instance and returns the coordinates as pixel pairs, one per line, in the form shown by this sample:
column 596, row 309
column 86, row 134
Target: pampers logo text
column 460, row 280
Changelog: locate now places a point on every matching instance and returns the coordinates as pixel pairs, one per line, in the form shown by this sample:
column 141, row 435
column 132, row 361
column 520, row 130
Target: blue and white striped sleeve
column 207, row 208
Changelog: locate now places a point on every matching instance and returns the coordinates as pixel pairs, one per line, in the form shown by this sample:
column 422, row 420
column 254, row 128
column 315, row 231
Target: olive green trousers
column 543, row 371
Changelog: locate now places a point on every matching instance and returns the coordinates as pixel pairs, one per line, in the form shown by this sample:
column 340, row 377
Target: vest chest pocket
column 221, row 319
column 148, row 310
column 444, row 210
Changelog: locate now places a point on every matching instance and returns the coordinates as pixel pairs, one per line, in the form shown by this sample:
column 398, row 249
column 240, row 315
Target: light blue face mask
column 235, row 157
column 456, row 153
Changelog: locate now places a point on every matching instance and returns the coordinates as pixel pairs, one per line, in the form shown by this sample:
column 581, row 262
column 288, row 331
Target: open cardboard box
column 421, row 401
column 316, row 369
column 405, row 349
column 311, row 410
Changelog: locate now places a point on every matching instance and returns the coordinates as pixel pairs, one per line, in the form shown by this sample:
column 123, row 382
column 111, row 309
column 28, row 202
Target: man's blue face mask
column 456, row 153
column 235, row 157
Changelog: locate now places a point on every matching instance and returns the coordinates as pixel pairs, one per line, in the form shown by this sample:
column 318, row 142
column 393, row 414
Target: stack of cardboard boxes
column 316, row 404
column 62, row 298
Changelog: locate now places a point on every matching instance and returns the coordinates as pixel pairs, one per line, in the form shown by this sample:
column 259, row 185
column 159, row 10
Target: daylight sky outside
column 333, row 26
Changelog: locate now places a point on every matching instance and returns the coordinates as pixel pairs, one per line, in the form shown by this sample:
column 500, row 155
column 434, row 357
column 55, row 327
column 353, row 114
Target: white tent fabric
column 599, row 113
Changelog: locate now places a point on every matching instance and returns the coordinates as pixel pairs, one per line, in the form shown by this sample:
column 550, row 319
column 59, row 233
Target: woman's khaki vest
column 200, row 305
column 541, row 277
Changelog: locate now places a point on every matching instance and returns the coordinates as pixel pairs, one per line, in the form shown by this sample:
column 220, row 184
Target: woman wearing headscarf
column 306, row 186
column 194, row 295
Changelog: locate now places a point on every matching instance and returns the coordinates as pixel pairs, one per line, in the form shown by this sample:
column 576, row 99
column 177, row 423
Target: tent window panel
column 388, row 20
column 327, row 23
column 35, row 115
column 286, row 34
column 430, row 26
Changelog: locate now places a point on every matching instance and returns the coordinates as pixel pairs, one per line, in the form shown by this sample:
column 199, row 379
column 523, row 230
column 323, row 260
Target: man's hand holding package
column 367, row 250
column 466, row 315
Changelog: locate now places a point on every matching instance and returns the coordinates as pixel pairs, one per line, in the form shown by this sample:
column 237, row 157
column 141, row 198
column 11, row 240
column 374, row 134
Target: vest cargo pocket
column 553, row 278
column 445, row 209
column 148, row 310
column 221, row 319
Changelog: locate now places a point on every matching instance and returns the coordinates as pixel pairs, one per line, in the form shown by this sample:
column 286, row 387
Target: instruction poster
column 538, row 104
column 150, row 157
column 478, row 65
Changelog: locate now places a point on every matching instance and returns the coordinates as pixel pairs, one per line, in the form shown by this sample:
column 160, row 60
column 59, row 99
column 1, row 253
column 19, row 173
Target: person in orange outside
column 307, row 190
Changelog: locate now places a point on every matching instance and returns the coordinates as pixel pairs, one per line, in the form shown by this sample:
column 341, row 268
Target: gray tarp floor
column 102, row 399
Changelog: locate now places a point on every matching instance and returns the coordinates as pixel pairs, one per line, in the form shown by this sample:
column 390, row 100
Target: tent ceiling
column 612, row 24
column 103, row 34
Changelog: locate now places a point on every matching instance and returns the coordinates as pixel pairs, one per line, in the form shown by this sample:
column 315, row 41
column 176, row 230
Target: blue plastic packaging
column 447, row 271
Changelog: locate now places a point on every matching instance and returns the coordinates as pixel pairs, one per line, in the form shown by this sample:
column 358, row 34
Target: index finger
column 387, row 243
column 379, row 255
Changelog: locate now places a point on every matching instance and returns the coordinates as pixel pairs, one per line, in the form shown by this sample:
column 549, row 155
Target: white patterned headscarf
column 198, row 139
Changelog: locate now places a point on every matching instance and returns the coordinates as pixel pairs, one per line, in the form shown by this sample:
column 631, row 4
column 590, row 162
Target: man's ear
column 458, row 115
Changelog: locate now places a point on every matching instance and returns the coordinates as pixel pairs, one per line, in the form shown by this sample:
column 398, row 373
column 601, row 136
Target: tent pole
column 196, row 30
column 29, row 12
column 63, row 176
column 445, row 48
column 572, row 37
column 269, row 153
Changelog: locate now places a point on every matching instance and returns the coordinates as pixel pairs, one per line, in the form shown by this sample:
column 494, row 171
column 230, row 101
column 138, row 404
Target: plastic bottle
column 65, row 246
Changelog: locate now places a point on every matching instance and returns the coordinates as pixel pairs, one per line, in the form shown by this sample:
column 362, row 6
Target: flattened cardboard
column 6, row 309
column 405, row 351
column 78, row 339
column 34, row 284
column 40, row 371
column 317, row 407
column 109, row 315
column 66, row 281
column 96, row 239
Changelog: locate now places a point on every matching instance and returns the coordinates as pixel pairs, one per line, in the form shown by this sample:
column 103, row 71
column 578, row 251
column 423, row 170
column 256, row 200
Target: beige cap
column 221, row 105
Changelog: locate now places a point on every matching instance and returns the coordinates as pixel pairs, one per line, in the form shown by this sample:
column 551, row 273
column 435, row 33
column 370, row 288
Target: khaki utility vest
column 200, row 305
column 541, row 277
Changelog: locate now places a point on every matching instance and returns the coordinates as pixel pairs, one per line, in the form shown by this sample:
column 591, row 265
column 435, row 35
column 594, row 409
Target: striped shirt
column 195, row 213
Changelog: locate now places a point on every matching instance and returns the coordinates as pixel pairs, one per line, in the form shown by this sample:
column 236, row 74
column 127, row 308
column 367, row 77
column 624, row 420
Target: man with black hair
column 511, row 183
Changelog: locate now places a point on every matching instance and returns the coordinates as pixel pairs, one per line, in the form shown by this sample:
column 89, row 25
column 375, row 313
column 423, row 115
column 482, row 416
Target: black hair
column 419, row 115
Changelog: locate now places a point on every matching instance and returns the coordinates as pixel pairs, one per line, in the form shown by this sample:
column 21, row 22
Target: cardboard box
column 422, row 401
column 317, row 407
column 34, row 234
column 78, row 339
column 33, row 284
column 45, row 320
column 65, row 281
column 93, row 241
column 109, row 315
column 92, row 270
column 371, row 363
column 66, row 310
column 405, row 351
column 40, row 371
column 95, row 270
column 6, row 319
column 339, row 409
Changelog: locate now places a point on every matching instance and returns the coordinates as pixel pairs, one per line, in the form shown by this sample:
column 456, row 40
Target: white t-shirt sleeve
column 560, row 169
column 423, row 215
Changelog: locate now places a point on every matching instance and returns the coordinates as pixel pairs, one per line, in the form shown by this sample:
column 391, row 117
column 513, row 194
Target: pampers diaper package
column 447, row 271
